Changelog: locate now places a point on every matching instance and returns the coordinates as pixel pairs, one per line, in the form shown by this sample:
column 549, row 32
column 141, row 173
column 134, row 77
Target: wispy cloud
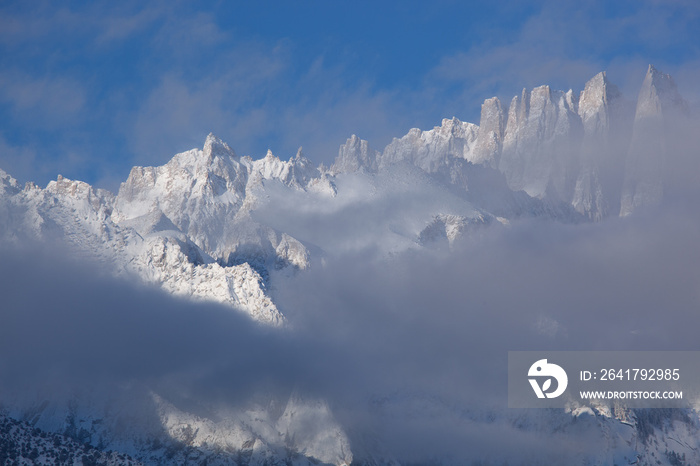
column 53, row 101
column 565, row 43
column 123, row 24
column 104, row 22
column 178, row 113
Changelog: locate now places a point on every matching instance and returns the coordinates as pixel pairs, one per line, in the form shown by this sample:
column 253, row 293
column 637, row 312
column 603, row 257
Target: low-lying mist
column 409, row 349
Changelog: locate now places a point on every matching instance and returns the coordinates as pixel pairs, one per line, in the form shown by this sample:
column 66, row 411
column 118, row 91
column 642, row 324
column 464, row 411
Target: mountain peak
column 354, row 155
column 451, row 122
column 658, row 78
column 594, row 101
column 598, row 83
column 658, row 95
column 214, row 146
column 652, row 70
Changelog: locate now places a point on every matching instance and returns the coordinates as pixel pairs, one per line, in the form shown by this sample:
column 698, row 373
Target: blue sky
column 89, row 89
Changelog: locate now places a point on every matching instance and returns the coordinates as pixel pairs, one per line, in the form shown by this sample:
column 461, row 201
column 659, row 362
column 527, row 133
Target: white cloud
column 102, row 22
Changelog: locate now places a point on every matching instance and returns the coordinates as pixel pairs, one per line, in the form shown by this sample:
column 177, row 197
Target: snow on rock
column 450, row 227
column 70, row 211
column 304, row 434
column 8, row 185
column 355, row 155
column 308, row 426
column 205, row 197
column 176, row 266
column 429, row 149
column 197, row 190
column 298, row 173
column 442, row 150
column 209, row 194
column 145, row 230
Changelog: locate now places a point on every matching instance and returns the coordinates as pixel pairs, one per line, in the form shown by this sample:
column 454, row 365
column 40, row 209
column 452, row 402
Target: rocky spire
column 354, row 155
column 658, row 103
column 658, row 96
column 489, row 142
column 214, row 146
column 594, row 104
column 540, row 134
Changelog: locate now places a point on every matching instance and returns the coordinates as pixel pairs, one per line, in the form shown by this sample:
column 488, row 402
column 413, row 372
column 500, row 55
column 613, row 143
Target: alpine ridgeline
column 211, row 225
column 581, row 157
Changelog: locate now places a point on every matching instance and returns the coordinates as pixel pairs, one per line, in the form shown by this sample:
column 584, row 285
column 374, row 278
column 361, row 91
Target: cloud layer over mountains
column 404, row 278
column 422, row 336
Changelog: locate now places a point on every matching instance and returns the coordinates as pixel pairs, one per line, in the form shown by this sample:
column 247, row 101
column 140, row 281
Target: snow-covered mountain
column 211, row 225
column 573, row 152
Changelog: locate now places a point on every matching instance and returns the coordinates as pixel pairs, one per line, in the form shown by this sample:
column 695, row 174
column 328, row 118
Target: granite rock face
column 539, row 146
column 489, row 142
